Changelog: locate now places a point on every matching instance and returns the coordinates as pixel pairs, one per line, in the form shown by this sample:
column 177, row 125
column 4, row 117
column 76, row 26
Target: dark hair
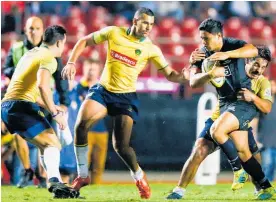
column 53, row 34
column 143, row 10
column 264, row 52
column 212, row 26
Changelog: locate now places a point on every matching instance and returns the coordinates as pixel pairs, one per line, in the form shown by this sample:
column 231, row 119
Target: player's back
column 23, row 85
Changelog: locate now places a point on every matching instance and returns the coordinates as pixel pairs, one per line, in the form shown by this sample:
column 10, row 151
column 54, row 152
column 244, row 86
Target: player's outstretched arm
column 247, row 51
column 173, row 75
column 80, row 46
column 69, row 70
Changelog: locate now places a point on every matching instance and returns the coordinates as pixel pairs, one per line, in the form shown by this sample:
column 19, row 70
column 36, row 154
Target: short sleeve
column 158, row 58
column 235, row 43
column 103, row 34
column 48, row 63
column 265, row 90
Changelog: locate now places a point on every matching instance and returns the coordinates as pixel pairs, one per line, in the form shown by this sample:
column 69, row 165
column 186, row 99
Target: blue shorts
column 205, row 133
column 116, row 103
column 23, row 118
column 245, row 112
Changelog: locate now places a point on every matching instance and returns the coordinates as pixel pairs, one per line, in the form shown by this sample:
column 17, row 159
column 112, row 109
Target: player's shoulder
column 231, row 40
column 120, row 30
column 263, row 80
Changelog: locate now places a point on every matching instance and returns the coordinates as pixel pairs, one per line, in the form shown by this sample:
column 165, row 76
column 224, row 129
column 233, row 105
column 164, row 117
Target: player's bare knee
column 216, row 131
column 81, row 127
column 201, row 151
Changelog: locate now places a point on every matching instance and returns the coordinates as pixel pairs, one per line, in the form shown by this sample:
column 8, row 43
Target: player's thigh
column 90, row 112
column 226, row 123
column 122, row 129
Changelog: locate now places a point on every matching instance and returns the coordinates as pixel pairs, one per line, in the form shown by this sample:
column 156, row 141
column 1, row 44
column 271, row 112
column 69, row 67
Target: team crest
column 138, row 52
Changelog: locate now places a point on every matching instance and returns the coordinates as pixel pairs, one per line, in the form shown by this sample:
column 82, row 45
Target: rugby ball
column 208, row 65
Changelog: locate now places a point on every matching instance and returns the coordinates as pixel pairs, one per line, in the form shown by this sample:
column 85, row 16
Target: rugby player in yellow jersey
column 205, row 145
column 129, row 51
column 29, row 88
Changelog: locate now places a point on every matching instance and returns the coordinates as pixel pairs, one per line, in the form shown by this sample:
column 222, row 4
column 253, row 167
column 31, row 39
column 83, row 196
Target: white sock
column 138, row 175
column 179, row 190
column 81, row 157
column 51, row 161
column 42, row 163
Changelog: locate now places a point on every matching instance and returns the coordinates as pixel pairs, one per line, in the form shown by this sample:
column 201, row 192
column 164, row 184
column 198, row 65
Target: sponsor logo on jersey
column 123, row 58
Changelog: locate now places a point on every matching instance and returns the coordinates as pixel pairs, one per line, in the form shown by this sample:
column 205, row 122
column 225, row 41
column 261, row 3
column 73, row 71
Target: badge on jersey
column 267, row 93
column 138, row 52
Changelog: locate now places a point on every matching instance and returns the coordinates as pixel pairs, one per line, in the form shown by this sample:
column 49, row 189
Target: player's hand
column 69, row 71
column 186, row 73
column 246, row 95
column 61, row 120
column 217, row 71
column 61, row 108
column 196, row 56
column 219, row 56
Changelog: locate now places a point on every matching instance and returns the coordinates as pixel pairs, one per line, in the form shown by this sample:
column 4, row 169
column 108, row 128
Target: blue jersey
column 235, row 75
column 81, row 91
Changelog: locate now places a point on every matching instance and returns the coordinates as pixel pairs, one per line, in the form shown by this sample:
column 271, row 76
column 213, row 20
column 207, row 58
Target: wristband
column 71, row 63
column 54, row 115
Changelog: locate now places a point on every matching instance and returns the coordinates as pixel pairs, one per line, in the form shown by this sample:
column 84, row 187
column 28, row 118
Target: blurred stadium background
column 166, row 131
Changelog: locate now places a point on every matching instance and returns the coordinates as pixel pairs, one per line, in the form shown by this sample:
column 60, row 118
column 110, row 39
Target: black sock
column 253, row 168
column 235, row 164
column 231, row 152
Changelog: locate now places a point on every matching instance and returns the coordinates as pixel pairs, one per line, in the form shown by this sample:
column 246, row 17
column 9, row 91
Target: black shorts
column 24, row 118
column 116, row 103
column 244, row 111
column 205, row 133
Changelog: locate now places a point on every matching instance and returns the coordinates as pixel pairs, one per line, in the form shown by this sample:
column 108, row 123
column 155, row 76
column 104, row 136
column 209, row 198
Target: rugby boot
column 240, row 177
column 143, row 187
column 80, row 182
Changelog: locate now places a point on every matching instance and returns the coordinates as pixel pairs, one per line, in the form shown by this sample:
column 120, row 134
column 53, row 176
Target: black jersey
column 235, row 75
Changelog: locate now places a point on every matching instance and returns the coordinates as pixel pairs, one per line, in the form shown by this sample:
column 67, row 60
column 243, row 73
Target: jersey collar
column 29, row 45
column 128, row 33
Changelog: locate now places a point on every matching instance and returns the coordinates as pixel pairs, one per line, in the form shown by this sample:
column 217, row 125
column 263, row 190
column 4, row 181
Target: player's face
column 34, row 30
column 256, row 67
column 91, row 71
column 144, row 25
column 210, row 41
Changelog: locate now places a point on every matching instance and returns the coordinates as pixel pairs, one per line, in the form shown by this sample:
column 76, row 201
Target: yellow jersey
column 126, row 57
column 23, row 85
column 261, row 87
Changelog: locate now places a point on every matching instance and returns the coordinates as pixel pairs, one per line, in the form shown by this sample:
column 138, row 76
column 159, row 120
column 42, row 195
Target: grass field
column 128, row 193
